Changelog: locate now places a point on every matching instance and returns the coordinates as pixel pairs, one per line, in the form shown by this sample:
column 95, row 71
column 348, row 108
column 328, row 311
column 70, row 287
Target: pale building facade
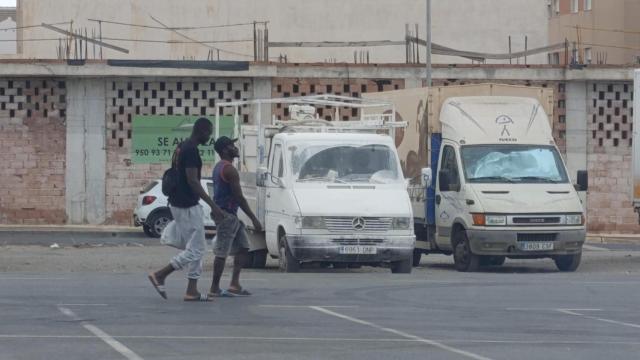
column 597, row 31
column 478, row 25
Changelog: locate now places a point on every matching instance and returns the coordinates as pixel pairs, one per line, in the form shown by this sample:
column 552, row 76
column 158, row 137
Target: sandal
column 221, row 293
column 199, row 298
column 239, row 293
column 159, row 288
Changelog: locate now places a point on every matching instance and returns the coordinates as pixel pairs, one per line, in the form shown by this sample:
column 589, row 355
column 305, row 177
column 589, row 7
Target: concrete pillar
column 262, row 90
column 86, row 151
column 576, row 136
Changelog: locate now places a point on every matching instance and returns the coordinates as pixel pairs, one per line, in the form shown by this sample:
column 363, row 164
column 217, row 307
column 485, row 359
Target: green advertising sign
column 155, row 137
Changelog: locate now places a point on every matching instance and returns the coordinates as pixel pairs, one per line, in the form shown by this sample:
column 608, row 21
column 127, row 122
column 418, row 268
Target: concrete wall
column 32, row 150
column 479, row 25
column 79, row 124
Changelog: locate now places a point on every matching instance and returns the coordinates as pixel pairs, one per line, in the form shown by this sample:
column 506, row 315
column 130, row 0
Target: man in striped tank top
column 231, row 236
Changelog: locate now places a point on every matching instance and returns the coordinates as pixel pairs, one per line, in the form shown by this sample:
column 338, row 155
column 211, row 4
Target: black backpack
column 170, row 176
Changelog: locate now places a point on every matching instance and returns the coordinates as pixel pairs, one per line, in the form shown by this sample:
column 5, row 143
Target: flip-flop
column 159, row 288
column 221, row 293
column 200, row 298
column 239, row 293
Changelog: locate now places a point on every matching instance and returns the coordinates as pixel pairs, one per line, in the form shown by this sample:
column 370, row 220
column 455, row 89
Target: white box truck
column 501, row 188
column 326, row 192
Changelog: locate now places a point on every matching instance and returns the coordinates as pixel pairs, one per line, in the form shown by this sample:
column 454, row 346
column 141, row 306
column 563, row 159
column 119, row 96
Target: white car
column 152, row 210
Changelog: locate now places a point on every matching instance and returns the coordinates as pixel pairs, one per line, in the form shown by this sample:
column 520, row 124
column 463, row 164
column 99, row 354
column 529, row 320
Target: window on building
column 587, row 56
column 574, row 6
column 587, row 5
column 554, row 58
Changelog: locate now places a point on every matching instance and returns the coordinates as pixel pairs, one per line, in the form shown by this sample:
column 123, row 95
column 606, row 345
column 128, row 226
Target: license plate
column 358, row 250
column 536, row 245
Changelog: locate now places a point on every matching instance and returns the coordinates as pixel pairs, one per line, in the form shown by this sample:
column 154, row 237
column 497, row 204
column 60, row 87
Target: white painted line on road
column 82, row 305
column 402, row 334
column 307, row 306
column 575, row 313
column 320, row 339
column 31, row 278
column 548, row 309
column 594, row 248
column 115, row 344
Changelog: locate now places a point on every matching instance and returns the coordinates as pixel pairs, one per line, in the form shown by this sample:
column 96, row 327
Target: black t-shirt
column 188, row 156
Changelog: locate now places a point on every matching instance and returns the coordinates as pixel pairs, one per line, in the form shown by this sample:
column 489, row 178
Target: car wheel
column 259, row 259
column 147, row 230
column 286, row 262
column 158, row 221
column 568, row 263
column 402, row 267
column 417, row 256
column 464, row 259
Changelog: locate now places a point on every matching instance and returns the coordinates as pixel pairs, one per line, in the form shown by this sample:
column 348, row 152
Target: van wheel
column 417, row 255
column 286, row 262
column 464, row 259
column 568, row 263
column 402, row 266
column 248, row 263
column 260, row 259
column 492, row 260
column 158, row 221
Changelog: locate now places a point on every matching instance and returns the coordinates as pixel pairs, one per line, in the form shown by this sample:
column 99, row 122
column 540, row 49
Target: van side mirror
column 426, row 177
column 261, row 177
column 582, row 180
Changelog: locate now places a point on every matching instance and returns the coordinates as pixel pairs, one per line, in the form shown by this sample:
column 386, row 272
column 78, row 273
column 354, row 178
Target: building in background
column 479, row 26
column 597, row 31
column 7, row 31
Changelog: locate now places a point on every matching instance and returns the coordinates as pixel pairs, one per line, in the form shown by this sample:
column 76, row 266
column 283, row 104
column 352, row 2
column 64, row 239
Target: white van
column 502, row 189
column 327, row 192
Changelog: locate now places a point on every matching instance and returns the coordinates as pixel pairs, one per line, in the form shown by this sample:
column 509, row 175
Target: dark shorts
column 231, row 237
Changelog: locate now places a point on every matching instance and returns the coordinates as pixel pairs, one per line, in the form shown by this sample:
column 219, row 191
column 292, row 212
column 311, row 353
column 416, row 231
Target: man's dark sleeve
column 190, row 157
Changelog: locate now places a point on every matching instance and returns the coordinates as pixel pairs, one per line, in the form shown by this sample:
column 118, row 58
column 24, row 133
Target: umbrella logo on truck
column 505, row 134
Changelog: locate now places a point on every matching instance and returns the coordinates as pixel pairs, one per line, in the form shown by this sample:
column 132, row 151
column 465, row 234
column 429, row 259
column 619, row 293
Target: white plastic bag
column 170, row 236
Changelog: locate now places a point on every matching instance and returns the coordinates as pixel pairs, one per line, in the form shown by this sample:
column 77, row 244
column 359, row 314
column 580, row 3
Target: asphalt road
column 523, row 310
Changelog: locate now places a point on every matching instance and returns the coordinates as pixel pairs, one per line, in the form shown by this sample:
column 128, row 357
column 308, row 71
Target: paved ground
column 76, row 303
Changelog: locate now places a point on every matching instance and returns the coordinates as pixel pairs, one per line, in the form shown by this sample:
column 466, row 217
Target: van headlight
column 575, row 219
column 401, row 223
column 480, row 219
column 313, row 222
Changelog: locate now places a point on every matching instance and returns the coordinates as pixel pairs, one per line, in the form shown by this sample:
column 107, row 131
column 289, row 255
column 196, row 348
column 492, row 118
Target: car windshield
column 344, row 163
column 512, row 164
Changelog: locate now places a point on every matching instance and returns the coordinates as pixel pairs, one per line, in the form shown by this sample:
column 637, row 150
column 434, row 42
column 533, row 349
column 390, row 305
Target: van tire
column 464, row 259
column 568, row 263
column 286, row 262
column 402, row 266
column 259, row 259
column 492, row 260
column 417, row 256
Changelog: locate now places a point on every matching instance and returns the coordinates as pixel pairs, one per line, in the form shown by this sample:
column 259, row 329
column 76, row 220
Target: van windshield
column 344, row 163
column 512, row 164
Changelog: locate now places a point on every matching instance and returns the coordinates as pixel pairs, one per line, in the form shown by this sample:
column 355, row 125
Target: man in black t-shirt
column 187, row 213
